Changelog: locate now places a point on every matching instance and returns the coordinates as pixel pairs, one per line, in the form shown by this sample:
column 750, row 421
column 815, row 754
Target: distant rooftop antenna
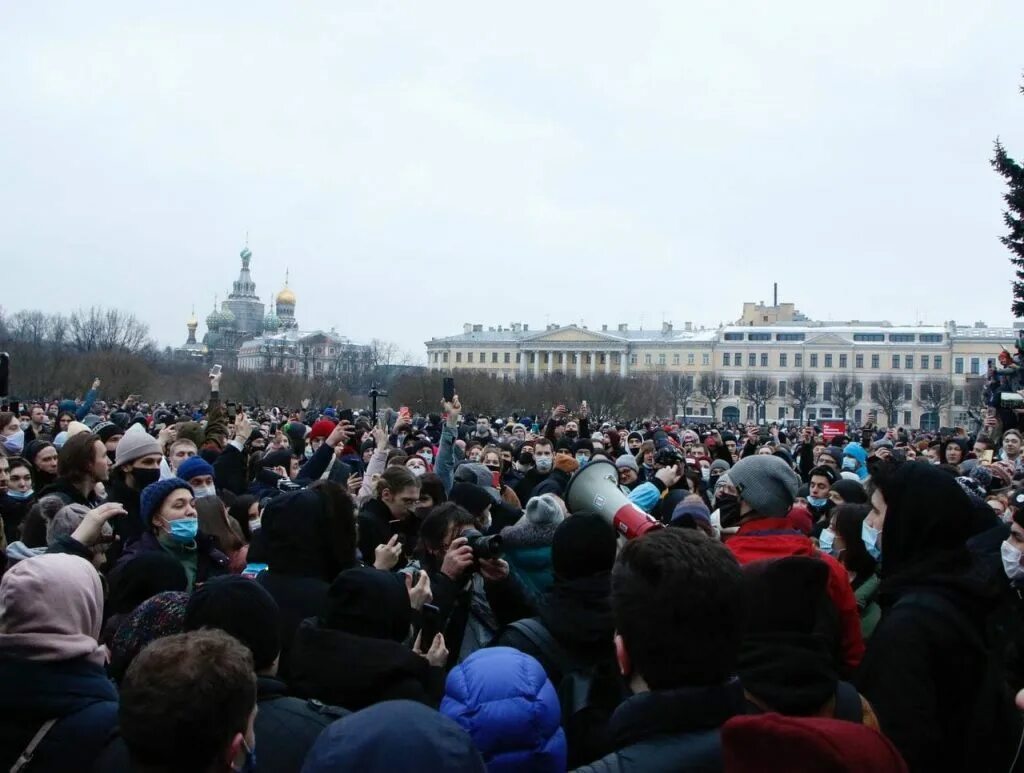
column 775, row 294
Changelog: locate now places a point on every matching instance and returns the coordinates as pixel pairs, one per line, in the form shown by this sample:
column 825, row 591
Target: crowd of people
column 220, row 587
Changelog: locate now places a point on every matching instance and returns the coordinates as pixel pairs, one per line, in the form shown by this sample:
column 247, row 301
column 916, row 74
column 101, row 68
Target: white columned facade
column 593, row 363
column 623, row 364
column 608, row 363
column 522, row 365
column 579, row 364
column 536, row 364
column 551, row 362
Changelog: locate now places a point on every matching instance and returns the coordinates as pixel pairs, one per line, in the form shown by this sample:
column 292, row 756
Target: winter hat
column 770, row 743
column 983, row 475
column 720, row 465
column 801, row 519
column 475, row 473
column 690, row 510
column 282, row 458
column 583, row 445
column 689, row 436
column 157, row 617
column 394, row 735
column 544, row 509
column 242, row 608
column 727, row 436
column 847, row 475
column 91, row 420
column 851, row 491
column 193, row 467
column 824, row 472
column 1001, row 476
column 67, row 406
column 135, row 444
column 634, row 436
column 836, row 453
column 329, row 411
column 296, row 430
column 76, row 428
column 368, row 602
column 766, row 483
column 582, row 546
column 67, row 519
column 106, row 430
column 566, row 464
column 627, row 462
column 154, row 495
column 471, row 497
column 60, row 440
column 971, row 486
column 645, row 496
column 321, row 429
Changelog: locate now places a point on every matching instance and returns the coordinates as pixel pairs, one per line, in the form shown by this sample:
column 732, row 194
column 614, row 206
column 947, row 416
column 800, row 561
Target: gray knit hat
column 544, row 509
column 627, row 462
column 720, row 464
column 766, row 483
column 134, row 445
column 478, row 475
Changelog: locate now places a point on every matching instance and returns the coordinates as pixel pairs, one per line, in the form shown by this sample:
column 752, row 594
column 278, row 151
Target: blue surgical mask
column 817, row 501
column 20, row 496
column 849, row 463
column 15, row 443
column 204, row 491
column 544, row 464
column 308, row 453
column 183, row 530
column 870, row 536
column 427, row 456
column 582, row 459
column 826, row 539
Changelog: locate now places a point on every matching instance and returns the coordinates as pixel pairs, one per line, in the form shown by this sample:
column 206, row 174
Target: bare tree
column 844, row 395
column 679, row 388
column 712, row 387
column 889, row 393
column 936, row 395
column 758, row 391
column 801, row 390
column 107, row 330
column 974, row 400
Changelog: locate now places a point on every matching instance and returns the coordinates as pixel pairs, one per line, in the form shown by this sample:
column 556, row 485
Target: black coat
column 374, row 529
column 666, row 731
column 298, row 598
column 286, row 727
column 69, row 494
column 13, row 512
column 524, row 488
column 76, row 692
column 358, row 671
column 129, row 526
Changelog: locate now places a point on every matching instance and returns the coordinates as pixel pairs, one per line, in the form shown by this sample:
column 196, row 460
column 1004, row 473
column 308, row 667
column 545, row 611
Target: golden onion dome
column 286, row 296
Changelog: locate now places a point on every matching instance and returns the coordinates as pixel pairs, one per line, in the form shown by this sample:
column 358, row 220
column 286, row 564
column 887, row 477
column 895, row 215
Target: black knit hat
column 472, row 497
column 583, row 545
column 242, row 608
column 282, row 458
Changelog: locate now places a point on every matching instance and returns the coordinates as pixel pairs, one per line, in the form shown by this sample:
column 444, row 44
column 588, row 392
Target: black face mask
column 493, row 467
column 526, row 459
column 111, row 456
column 729, row 509
column 571, row 433
column 145, row 478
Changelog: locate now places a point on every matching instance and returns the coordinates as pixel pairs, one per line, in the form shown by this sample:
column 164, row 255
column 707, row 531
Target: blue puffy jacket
column 503, row 699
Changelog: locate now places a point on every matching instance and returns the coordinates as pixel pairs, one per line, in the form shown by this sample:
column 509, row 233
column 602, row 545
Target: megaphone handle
column 632, row 522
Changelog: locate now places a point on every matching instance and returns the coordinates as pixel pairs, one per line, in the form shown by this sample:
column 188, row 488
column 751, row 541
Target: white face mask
column 826, row 539
column 254, row 525
column 1011, row 560
column 543, row 464
column 15, row 443
column 204, row 491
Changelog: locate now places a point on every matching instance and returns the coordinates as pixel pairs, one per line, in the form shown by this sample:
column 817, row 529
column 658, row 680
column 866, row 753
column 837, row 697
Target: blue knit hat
column 193, row 467
column 154, row 495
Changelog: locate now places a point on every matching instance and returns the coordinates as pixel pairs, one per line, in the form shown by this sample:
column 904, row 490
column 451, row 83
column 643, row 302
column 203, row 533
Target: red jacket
column 767, row 538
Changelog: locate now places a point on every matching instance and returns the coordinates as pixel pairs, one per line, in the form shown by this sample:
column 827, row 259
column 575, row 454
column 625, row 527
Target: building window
column 924, row 362
column 782, row 413
column 519, row 357
column 827, row 391
column 975, row 366
column 458, row 356
column 789, row 337
column 868, row 337
column 725, row 359
column 733, row 337
column 798, row 360
column 632, row 359
column 901, row 338
column 958, row 397
column 908, row 391
column 508, row 357
column 908, row 362
column 906, row 418
column 494, row 357
column 647, row 359
column 764, row 360
column 857, row 415
column 738, row 359
column 661, row 359
column 675, row 359
column 858, row 390
column 876, row 361
column 814, row 360
column 828, row 360
column 931, row 338
column 483, row 357
column 937, row 362
column 737, row 387
column 725, row 388
column 782, row 389
column 826, row 413
column 844, row 361
column 783, row 358
column 812, row 389
column 690, row 358
column 751, row 360
column 705, row 358
column 958, row 366
column 759, row 337
column 895, row 362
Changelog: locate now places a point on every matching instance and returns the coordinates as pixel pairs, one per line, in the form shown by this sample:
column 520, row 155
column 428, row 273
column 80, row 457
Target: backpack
column 587, row 694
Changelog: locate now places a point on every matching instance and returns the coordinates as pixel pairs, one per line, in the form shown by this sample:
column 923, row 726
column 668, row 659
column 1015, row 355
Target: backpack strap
column 537, row 633
column 848, row 705
column 26, row 756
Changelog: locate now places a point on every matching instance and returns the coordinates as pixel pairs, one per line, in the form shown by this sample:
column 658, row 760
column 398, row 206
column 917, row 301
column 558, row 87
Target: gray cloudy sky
column 421, row 165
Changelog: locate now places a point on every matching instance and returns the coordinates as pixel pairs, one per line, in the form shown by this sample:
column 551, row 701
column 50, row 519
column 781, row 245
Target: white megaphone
column 595, row 490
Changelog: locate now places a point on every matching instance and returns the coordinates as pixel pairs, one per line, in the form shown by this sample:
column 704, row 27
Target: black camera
column 668, row 456
column 483, row 547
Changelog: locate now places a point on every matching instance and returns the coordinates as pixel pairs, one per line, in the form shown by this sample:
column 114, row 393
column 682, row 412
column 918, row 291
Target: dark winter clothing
column 503, row 699
column 69, row 494
column 287, row 727
column 374, row 528
column 665, row 731
column 13, row 512
column 205, row 558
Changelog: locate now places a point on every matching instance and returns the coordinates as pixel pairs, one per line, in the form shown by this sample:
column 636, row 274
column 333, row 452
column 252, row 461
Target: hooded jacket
column 287, row 727
column 503, row 699
column 923, row 669
column 353, row 655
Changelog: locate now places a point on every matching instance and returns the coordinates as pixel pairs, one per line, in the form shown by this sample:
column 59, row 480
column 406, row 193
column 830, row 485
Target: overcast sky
column 421, row 165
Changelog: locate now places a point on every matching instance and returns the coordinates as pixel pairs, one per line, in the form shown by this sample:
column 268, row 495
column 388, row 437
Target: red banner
column 832, row 429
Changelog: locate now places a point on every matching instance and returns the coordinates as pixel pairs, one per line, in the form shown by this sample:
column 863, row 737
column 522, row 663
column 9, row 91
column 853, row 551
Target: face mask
column 544, row 464
column 705, row 473
column 729, row 509
column 16, row 442
column 308, row 453
column 24, row 425
column 571, row 433
column 817, row 501
column 254, row 525
column 418, row 471
column 427, row 456
column 582, row 459
column 525, row 461
column 870, row 536
column 493, row 467
column 849, row 463
column 20, row 496
column 183, row 530
column 826, row 539
column 144, row 478
column 205, row 491
column 1011, row 560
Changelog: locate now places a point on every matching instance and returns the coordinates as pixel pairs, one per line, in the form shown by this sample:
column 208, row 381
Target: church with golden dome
column 244, row 333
